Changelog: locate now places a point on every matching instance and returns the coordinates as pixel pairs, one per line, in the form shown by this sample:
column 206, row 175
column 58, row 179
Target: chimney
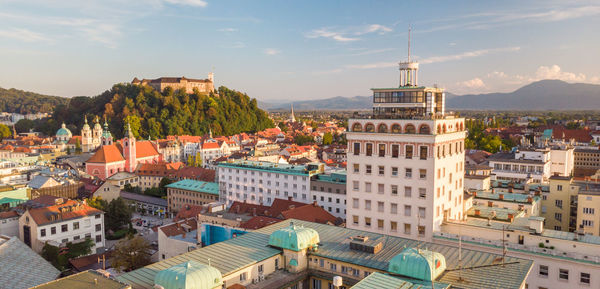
column 315, row 204
column 289, row 198
column 474, row 193
column 530, row 199
column 490, row 204
column 254, row 212
column 501, row 196
column 510, row 217
column 510, row 190
column 477, row 212
column 492, row 190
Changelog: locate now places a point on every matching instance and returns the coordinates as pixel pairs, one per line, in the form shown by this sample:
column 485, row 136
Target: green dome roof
column 418, row 264
column 294, row 238
column 63, row 131
column 189, row 275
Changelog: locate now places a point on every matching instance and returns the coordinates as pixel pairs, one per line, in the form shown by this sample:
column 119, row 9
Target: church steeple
column 292, row 117
column 129, row 150
column 107, row 138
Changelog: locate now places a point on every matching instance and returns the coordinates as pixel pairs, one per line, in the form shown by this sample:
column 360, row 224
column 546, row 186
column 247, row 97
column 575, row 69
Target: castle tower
column 211, row 77
column 86, row 136
column 107, row 138
column 129, row 150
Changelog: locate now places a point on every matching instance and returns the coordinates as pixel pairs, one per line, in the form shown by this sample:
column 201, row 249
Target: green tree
column 59, row 257
column 131, row 254
column 4, row 131
column 98, row 203
column 327, row 138
column 77, row 146
column 117, row 215
column 134, row 123
column 303, row 139
column 282, row 126
column 24, row 125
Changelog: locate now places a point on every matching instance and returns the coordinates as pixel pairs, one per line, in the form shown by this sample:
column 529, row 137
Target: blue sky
column 291, row 50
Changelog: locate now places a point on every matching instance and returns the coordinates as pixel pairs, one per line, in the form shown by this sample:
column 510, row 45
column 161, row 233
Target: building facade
column 204, row 86
column 329, row 191
column 406, row 162
column 191, row 192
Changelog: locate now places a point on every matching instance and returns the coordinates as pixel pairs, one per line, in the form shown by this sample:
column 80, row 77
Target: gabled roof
column 176, row 229
column 107, row 154
column 70, row 210
column 258, row 222
column 311, row 213
column 145, row 149
column 210, row 145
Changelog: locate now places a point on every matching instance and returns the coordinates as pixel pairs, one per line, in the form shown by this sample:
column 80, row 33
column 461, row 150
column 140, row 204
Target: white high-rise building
column 406, row 161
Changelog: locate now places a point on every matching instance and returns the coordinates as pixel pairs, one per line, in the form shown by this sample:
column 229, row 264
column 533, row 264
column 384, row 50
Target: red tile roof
column 8, row 214
column 580, row 135
column 194, row 173
column 107, row 154
column 258, row 222
column 145, row 149
column 188, row 212
column 71, row 210
column 311, row 213
column 176, row 228
column 210, row 145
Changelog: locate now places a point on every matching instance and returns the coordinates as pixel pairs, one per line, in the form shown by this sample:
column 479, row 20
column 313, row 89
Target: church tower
column 96, row 134
column 86, row 136
column 107, row 138
column 129, row 150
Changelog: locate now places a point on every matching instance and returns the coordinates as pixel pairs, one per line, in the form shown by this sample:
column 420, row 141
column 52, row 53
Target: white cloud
column 325, row 33
column 227, row 30
column 475, row 83
column 437, row 59
column 554, row 72
column 195, row 3
column 271, row 51
column 380, row 29
column 23, row 35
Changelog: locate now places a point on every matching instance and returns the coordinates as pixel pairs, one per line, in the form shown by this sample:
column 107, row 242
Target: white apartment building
column 329, row 191
column 261, row 182
column 562, row 160
column 561, row 259
column 524, row 165
column 406, row 162
column 59, row 224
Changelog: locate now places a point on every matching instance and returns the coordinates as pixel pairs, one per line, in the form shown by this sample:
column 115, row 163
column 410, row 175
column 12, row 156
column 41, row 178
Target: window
column 98, row 227
column 356, row 168
column 409, row 152
column 367, row 187
column 316, row 284
column 558, row 203
column 43, row 232
column 381, row 150
column 98, row 238
column 261, row 268
column 356, row 148
column 559, row 187
column 421, row 212
column 322, row 262
column 423, row 174
column 243, row 276
column 355, row 220
column 408, row 173
column 407, row 229
column 369, row 150
column 64, row 228
column 368, row 205
column 407, row 210
column 380, row 224
column 422, row 193
column 588, row 223
column 394, row 190
column 355, row 203
column 407, row 191
column 423, row 152
column 563, row 274
column 394, row 208
column 394, row 171
column 333, row 267
column 589, row 211
column 75, row 225
column 543, row 270
column 558, row 217
column 380, row 188
column 355, row 185
column 380, row 207
column 421, row 230
column 367, row 221
column 395, row 150
column 393, row 226
column 584, row 278
column 381, row 170
column 368, row 169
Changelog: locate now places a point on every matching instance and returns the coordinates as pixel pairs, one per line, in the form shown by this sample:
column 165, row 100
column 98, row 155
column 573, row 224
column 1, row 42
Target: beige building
column 188, row 84
column 557, row 205
column 191, row 192
column 177, row 238
column 588, row 211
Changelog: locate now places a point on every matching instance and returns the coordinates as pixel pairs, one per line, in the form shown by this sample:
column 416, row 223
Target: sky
column 279, row 51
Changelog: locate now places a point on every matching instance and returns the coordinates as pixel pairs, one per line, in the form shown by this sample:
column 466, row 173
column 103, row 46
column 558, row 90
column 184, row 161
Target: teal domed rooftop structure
column 63, row 133
column 189, row 275
column 294, row 238
column 418, row 264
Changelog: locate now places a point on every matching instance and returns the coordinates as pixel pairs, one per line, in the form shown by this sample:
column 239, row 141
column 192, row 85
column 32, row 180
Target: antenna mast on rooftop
column 408, row 42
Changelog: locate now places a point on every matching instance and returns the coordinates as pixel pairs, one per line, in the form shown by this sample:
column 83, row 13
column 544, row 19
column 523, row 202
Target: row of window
column 253, row 197
column 442, row 150
column 408, row 172
column 393, row 189
column 65, row 228
column 285, row 176
column 563, row 274
column 277, row 184
column 393, row 225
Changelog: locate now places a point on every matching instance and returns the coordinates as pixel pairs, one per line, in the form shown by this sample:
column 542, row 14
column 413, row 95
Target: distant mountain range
column 540, row 95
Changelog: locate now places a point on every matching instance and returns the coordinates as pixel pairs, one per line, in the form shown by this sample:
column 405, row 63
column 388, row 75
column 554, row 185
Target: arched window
column 396, row 128
column 461, row 126
column 370, row 127
column 444, row 128
column 382, row 128
column 439, row 129
column 424, row 129
column 409, row 128
column 357, row 127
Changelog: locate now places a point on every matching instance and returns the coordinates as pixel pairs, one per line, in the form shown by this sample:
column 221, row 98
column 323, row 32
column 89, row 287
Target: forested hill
column 25, row 102
column 157, row 115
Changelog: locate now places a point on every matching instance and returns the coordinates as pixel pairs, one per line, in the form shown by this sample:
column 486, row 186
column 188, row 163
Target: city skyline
column 290, row 51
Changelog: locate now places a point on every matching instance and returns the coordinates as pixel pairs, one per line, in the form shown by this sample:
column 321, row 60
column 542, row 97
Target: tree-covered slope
column 24, row 102
column 157, row 115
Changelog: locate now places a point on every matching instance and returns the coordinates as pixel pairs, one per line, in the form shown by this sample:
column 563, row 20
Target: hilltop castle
column 203, row 85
